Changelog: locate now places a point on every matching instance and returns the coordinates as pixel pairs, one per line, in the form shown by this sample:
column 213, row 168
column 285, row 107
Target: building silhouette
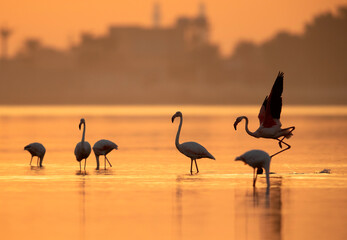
column 178, row 64
column 178, row 53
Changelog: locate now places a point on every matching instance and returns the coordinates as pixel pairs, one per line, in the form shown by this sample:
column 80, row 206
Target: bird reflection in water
column 259, row 212
column 104, row 172
column 82, row 194
column 178, row 197
column 37, row 170
column 181, row 181
column 81, row 173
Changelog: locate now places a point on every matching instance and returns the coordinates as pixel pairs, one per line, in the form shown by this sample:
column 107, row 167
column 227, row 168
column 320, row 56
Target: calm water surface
column 149, row 193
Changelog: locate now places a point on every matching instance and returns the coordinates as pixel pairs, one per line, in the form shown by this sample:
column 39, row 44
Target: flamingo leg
column 31, row 160
column 196, row 165
column 191, row 166
column 80, row 167
column 108, row 161
column 288, row 147
column 37, row 161
column 285, row 129
column 97, row 161
column 254, row 178
column 105, row 162
column 85, row 163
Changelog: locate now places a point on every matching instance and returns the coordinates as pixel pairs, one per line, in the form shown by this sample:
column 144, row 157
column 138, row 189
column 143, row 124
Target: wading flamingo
column 269, row 117
column 257, row 159
column 103, row 147
column 192, row 150
column 82, row 149
column 38, row 150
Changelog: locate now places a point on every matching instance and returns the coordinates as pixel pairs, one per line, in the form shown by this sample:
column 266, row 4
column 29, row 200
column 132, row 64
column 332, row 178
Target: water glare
column 149, row 192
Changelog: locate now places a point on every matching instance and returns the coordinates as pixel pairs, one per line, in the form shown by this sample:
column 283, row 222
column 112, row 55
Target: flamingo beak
column 236, row 122
column 79, row 126
column 173, row 118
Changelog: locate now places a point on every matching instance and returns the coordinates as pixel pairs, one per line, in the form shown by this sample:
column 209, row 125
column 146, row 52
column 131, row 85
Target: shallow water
column 149, row 193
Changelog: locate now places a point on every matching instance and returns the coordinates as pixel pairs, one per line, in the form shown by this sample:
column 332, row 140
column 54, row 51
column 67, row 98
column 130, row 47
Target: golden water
column 149, row 193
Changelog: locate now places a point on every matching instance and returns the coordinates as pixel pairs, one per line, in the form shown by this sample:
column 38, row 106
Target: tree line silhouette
column 170, row 71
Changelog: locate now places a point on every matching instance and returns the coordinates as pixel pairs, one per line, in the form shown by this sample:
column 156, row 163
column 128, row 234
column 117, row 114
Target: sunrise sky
column 58, row 23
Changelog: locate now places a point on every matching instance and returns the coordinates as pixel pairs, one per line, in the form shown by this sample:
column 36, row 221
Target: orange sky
column 58, row 22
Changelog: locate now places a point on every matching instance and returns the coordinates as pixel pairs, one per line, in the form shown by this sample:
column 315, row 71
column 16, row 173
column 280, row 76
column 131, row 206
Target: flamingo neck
column 178, row 132
column 84, row 132
column 246, row 127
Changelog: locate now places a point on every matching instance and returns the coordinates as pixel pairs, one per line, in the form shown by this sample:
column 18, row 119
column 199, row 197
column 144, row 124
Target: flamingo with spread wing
column 269, row 117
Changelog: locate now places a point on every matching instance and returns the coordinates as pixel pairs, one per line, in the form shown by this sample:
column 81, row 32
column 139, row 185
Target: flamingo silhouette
column 269, row 117
column 38, row 150
column 259, row 160
column 82, row 149
column 103, row 147
column 192, row 150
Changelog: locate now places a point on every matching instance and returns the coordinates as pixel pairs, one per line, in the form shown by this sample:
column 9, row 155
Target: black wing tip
column 280, row 74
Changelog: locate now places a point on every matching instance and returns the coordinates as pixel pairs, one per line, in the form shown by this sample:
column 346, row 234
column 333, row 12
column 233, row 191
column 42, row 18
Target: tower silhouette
column 156, row 17
column 4, row 34
column 202, row 10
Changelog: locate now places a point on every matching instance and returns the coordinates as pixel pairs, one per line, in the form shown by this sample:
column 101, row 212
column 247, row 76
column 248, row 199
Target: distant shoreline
column 165, row 110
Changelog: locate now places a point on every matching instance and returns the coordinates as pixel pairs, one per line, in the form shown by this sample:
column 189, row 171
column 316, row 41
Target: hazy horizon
column 180, row 63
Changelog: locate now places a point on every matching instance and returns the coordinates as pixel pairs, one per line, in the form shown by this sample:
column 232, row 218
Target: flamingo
column 192, row 150
column 36, row 149
column 257, row 159
column 103, row 147
column 269, row 117
column 82, row 149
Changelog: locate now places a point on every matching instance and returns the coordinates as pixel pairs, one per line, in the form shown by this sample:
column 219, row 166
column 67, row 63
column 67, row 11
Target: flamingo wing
column 36, row 149
column 195, row 150
column 274, row 103
column 104, row 146
column 262, row 111
column 255, row 158
column 82, row 150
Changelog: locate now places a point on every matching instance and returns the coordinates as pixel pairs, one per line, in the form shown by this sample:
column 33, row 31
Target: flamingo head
column 81, row 122
column 241, row 158
column 239, row 119
column 260, row 170
column 177, row 114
